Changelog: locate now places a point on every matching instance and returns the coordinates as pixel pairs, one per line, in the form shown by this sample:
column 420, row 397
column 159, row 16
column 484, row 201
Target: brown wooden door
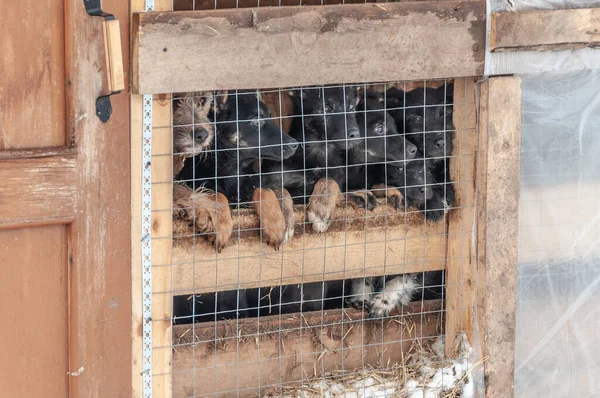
column 64, row 206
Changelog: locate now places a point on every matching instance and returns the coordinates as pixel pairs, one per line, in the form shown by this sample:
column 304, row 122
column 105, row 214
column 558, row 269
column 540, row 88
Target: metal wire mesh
column 309, row 228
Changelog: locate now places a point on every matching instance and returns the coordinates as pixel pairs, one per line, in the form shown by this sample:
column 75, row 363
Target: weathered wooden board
column 32, row 65
column 292, row 46
column 544, row 30
column 498, row 188
column 460, row 256
column 357, row 244
column 242, row 358
column 34, row 269
column 99, row 239
column 40, row 190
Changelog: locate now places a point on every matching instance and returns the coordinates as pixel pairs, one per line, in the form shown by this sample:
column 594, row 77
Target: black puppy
column 428, row 121
column 382, row 143
column 325, row 123
column 245, row 137
column 424, row 185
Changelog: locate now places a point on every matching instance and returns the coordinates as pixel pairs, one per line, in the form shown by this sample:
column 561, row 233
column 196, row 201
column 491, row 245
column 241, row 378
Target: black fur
column 246, row 136
column 428, row 121
column 382, row 143
column 325, row 124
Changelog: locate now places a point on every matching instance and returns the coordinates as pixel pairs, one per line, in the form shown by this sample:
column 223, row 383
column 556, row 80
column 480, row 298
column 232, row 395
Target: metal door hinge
column 114, row 57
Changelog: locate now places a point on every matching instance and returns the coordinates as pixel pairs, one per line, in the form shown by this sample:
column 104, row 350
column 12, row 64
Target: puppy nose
column 200, row 134
column 353, row 133
column 439, row 143
column 293, row 146
column 411, row 149
column 425, row 190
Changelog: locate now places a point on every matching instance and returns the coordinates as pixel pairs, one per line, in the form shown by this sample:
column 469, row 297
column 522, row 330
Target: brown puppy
column 193, row 134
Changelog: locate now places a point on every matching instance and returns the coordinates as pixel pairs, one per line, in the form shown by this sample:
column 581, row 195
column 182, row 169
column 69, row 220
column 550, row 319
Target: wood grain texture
column 38, row 190
column 498, row 172
column 32, row 65
column 100, row 246
column 161, row 232
column 276, row 350
column 545, row 30
column 114, row 55
column 33, row 306
column 460, row 255
column 292, row 46
column 356, row 244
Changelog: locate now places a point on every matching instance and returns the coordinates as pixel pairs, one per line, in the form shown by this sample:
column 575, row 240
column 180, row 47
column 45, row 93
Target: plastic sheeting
column 558, row 312
column 524, row 62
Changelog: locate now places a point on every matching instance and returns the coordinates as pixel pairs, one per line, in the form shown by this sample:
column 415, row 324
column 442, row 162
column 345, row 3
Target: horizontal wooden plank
column 37, row 190
column 357, row 244
column 293, row 46
column 253, row 355
column 544, row 30
column 37, row 152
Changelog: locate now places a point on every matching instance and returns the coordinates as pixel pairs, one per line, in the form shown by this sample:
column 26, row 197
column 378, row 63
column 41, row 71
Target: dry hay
column 423, row 373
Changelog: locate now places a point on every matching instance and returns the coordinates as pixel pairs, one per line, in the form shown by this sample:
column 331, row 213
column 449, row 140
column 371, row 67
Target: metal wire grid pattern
column 239, row 335
column 241, row 258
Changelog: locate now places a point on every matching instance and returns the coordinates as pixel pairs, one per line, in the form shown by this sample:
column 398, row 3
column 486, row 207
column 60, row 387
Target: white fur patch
column 397, row 291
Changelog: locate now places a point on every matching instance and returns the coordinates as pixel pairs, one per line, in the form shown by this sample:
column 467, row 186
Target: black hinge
column 103, row 106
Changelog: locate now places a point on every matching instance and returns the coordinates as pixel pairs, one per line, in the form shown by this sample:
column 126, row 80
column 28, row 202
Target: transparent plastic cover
column 558, row 340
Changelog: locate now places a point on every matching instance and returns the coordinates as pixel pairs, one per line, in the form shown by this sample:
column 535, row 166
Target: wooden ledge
column 358, row 243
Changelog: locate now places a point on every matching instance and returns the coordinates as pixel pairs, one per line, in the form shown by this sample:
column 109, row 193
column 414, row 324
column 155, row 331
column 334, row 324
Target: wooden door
column 64, row 206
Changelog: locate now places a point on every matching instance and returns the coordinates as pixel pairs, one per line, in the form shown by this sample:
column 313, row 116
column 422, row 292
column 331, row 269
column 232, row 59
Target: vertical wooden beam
column 136, row 125
column 161, row 232
column 460, row 256
column 498, row 190
column 162, row 226
column 99, row 268
column 162, row 198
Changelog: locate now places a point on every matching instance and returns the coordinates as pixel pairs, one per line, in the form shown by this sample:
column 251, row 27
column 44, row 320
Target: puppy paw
column 325, row 197
column 393, row 195
column 398, row 291
column 272, row 222
column 287, row 209
column 213, row 218
column 361, row 293
column 224, row 223
column 380, row 306
column 363, row 199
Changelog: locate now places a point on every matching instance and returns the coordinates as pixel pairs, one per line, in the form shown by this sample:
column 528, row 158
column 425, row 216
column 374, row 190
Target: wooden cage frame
column 480, row 249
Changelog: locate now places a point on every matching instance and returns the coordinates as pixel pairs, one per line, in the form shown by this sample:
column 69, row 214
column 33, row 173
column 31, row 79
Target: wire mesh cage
column 254, row 294
column 311, row 240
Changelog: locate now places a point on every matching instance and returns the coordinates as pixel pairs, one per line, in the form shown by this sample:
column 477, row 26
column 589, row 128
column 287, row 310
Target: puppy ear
column 220, row 100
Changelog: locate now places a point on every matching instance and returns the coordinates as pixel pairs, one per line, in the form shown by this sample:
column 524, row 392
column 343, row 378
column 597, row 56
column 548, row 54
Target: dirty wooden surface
column 292, row 46
column 498, row 172
column 545, row 30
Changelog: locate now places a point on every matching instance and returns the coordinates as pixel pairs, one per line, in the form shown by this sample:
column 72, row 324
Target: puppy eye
column 378, row 129
column 202, row 101
column 418, row 118
column 400, row 168
column 256, row 122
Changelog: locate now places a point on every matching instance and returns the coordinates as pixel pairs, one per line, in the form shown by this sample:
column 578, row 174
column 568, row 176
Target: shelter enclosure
column 267, row 269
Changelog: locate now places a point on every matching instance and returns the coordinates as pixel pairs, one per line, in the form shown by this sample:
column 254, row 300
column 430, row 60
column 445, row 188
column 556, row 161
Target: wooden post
column 498, row 189
column 460, row 256
column 162, row 183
